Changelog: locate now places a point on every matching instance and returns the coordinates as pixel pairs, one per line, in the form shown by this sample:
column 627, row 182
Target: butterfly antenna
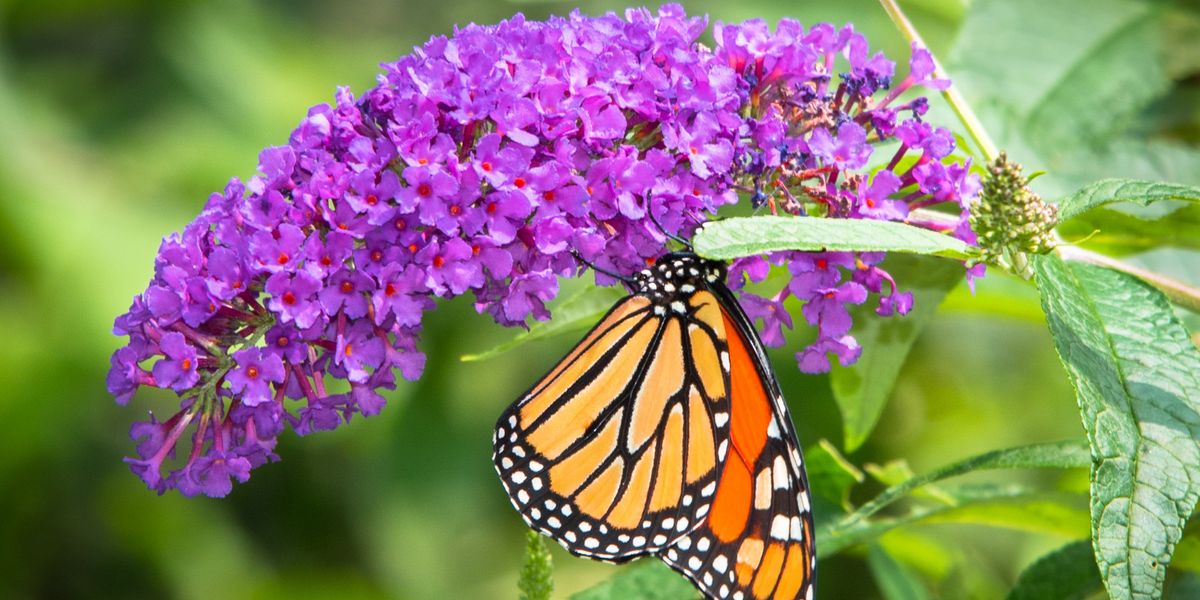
column 650, row 213
column 617, row 276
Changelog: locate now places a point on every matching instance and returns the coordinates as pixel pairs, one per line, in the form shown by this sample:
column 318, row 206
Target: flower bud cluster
column 1009, row 218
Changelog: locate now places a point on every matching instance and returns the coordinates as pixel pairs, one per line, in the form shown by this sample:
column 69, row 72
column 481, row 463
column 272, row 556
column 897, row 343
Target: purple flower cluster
column 810, row 151
column 484, row 163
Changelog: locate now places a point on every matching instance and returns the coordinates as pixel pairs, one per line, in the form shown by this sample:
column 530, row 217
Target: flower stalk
column 953, row 96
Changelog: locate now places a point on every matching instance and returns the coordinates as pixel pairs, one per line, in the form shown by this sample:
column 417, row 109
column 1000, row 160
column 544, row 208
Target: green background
column 117, row 119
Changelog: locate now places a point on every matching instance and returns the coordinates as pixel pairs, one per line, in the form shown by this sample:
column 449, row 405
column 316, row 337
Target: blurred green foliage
column 118, row 118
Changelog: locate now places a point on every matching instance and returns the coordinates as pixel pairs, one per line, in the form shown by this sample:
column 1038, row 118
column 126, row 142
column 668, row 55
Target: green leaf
column 1117, row 232
column 1136, row 375
column 994, row 506
column 574, row 313
column 857, row 526
column 1065, row 515
column 1137, row 191
column 1068, row 573
column 1071, row 99
column 648, row 579
column 746, row 236
column 1055, row 455
column 1066, row 116
column 863, row 388
column 897, row 471
column 537, row 574
column 896, row 581
column 830, row 474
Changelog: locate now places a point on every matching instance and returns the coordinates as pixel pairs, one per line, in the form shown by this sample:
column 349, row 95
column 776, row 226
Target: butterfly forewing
column 616, row 452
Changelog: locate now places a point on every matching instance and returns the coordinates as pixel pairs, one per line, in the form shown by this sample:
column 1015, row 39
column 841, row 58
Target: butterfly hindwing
column 757, row 542
column 616, row 452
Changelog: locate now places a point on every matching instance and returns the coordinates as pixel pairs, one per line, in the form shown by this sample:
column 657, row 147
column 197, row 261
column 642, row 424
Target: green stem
column 959, row 104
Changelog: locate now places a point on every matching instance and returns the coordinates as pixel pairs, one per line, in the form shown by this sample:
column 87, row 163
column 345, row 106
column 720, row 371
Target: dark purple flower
column 874, row 201
column 255, row 372
column 178, row 369
column 323, row 257
column 452, row 269
column 358, row 350
column 771, row 314
column 505, row 213
column 827, row 308
column 278, row 250
column 754, row 268
column 849, row 150
column 528, row 294
column 815, row 358
column 292, row 297
column 402, row 294
column 211, row 474
column 346, row 291
column 288, row 343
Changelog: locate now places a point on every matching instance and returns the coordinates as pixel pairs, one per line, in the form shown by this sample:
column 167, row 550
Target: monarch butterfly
column 664, row 433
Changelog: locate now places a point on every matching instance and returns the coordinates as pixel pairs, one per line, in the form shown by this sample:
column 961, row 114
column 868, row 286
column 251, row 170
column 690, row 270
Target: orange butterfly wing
column 615, row 453
column 757, row 542
column 664, row 432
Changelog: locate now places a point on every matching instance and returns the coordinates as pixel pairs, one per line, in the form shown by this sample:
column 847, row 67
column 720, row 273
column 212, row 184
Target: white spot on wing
column 773, row 429
column 781, row 474
column 721, row 563
column 780, row 527
column 762, row 489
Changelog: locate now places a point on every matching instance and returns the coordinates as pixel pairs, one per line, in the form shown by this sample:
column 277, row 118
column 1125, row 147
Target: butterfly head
column 678, row 274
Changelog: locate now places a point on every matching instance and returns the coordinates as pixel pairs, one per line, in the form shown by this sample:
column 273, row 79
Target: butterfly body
column 664, row 433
